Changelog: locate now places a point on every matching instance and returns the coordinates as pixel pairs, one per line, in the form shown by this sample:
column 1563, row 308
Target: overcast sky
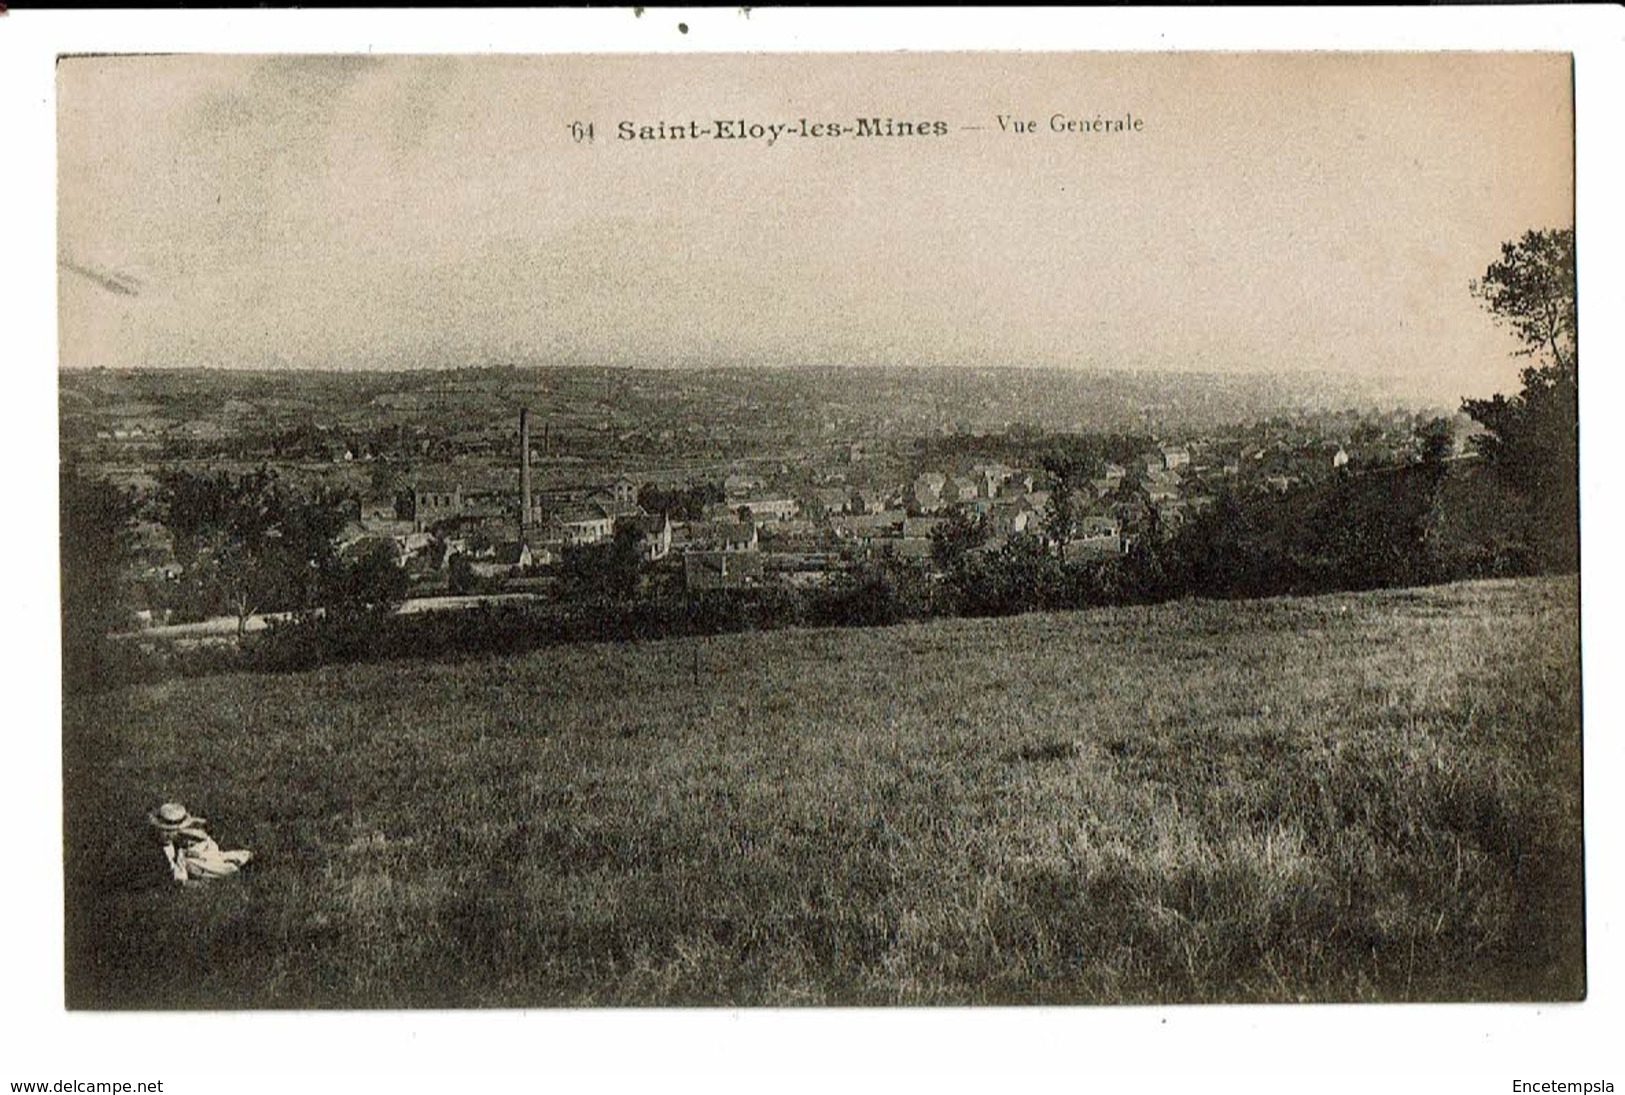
column 1321, row 212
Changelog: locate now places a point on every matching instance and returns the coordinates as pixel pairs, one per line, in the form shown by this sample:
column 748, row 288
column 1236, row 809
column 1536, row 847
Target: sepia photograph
column 722, row 530
column 767, row 549
column 820, row 530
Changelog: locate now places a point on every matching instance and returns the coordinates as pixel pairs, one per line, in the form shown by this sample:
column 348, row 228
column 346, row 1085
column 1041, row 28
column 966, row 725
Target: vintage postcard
column 818, row 529
column 808, row 530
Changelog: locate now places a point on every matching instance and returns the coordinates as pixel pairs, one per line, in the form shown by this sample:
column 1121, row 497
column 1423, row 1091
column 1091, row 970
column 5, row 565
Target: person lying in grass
column 192, row 853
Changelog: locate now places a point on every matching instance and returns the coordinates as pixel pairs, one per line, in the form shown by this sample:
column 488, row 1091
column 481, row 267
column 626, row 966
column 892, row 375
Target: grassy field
column 1357, row 797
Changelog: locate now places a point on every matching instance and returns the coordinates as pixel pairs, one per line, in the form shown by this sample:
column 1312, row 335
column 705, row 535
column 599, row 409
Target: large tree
column 247, row 544
column 369, row 581
column 1531, row 289
column 613, row 568
column 1533, row 437
column 1068, row 473
column 960, row 533
column 95, row 542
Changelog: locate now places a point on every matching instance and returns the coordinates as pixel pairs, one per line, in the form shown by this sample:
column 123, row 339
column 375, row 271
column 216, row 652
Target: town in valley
column 476, row 481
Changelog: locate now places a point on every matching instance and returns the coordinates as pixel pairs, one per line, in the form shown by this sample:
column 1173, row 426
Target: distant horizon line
column 1037, row 367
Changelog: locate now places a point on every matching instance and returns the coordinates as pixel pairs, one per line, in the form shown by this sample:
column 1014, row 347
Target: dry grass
column 1368, row 796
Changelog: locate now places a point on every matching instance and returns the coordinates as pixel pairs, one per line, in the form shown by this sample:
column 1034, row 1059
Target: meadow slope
column 1352, row 797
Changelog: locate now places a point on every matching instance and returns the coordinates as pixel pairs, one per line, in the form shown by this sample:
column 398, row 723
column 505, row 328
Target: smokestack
column 524, row 474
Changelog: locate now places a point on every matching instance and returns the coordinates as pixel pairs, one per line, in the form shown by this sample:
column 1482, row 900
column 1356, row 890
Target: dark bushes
column 511, row 628
column 1412, row 526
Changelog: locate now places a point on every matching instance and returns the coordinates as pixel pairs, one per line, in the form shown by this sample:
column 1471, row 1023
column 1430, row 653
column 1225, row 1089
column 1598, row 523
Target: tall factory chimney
column 524, row 475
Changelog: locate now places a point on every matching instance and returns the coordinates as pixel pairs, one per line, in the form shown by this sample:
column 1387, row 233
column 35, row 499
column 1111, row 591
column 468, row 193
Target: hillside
column 1361, row 796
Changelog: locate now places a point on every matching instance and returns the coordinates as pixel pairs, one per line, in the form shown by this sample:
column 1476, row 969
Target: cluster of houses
column 759, row 531
column 756, row 534
column 721, row 551
column 763, row 532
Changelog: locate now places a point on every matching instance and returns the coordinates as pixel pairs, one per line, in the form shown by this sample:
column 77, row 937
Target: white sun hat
column 172, row 817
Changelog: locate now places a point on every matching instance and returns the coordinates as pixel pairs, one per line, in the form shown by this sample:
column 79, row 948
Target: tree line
column 245, row 545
